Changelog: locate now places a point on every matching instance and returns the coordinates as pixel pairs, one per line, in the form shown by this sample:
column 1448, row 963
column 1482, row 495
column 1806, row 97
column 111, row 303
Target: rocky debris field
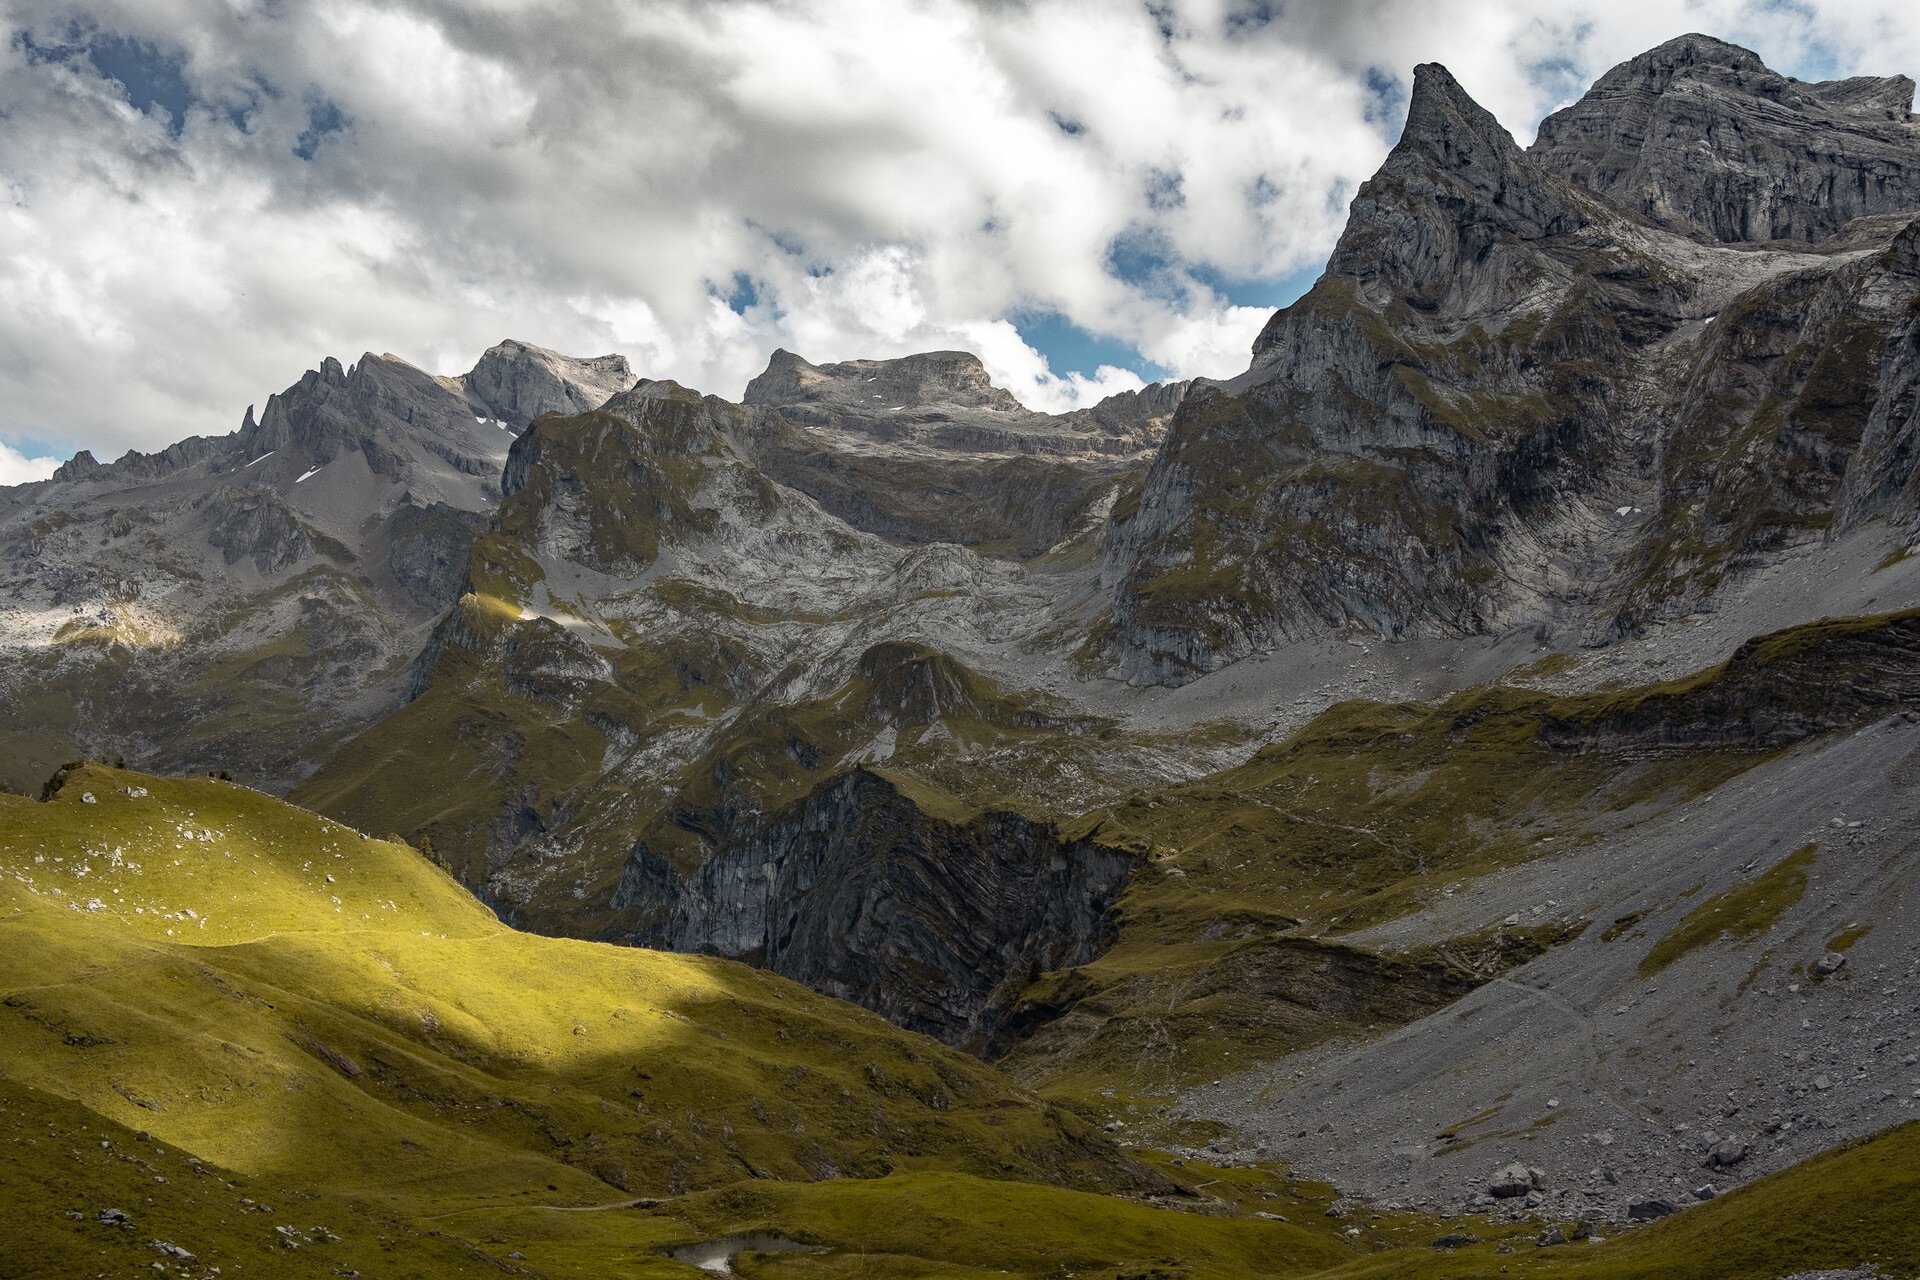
column 1626, row 1083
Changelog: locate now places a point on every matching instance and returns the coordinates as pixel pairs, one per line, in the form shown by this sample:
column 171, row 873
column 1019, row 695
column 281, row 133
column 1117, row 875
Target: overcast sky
column 206, row 197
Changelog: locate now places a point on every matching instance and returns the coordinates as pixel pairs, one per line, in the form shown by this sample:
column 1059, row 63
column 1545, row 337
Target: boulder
column 1832, row 962
column 1727, row 1151
column 1648, row 1210
column 1515, row 1180
column 1455, row 1240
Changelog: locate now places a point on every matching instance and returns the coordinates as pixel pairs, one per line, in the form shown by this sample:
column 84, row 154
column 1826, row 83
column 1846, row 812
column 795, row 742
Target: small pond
column 717, row 1255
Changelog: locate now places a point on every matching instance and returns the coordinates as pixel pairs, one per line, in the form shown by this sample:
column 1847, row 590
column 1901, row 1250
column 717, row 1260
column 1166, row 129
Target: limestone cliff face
column 857, row 893
column 1513, row 399
column 1700, row 137
column 926, row 449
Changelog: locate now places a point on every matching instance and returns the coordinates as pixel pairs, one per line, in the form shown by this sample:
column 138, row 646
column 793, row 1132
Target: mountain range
column 1480, row 736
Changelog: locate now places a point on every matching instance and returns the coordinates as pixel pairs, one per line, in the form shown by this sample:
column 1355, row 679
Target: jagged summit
column 1700, row 137
column 390, row 410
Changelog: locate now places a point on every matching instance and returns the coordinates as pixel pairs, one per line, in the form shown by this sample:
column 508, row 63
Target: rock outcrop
column 857, row 893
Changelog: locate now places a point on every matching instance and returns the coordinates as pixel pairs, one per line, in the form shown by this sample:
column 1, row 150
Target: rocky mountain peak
column 515, row 382
column 947, row 379
column 1446, row 124
column 1701, row 137
column 383, row 407
column 1439, row 220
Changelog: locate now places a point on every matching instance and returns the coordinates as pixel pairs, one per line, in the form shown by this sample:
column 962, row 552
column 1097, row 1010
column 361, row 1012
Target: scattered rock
column 113, row 1218
column 1551, row 1236
column 1455, row 1241
column 173, row 1250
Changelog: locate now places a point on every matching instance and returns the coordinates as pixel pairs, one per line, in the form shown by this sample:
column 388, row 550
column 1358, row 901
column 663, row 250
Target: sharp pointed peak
column 1441, row 112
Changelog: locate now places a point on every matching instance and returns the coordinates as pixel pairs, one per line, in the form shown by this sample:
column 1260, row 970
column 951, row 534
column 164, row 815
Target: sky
column 204, row 198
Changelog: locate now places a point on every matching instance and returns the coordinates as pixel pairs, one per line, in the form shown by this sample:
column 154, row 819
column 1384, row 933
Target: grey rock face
column 427, row 551
column 875, row 389
column 256, row 524
column 1699, row 137
column 516, row 382
column 857, row 893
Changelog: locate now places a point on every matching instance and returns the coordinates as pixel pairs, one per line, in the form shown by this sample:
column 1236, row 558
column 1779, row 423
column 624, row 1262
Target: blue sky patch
column 323, row 118
column 743, row 293
column 151, row 79
column 1071, row 349
column 1274, row 292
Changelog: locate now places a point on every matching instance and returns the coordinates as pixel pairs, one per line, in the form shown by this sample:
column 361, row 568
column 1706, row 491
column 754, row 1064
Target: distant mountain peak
column 950, row 378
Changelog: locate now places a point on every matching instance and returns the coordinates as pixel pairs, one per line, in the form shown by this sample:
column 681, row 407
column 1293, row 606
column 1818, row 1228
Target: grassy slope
column 438, row 1093
column 375, row 1049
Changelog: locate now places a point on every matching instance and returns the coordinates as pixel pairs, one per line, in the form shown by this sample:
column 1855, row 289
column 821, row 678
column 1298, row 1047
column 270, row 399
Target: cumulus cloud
column 203, row 197
column 16, row 468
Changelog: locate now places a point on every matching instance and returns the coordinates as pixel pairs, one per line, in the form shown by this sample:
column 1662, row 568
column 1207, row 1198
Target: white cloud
column 16, row 468
column 426, row 177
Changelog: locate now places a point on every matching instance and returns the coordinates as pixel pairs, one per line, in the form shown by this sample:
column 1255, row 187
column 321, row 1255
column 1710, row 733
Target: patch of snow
column 262, row 458
column 309, row 475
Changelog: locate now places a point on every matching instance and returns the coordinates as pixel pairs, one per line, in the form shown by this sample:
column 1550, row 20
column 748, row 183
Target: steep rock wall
column 858, row 893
